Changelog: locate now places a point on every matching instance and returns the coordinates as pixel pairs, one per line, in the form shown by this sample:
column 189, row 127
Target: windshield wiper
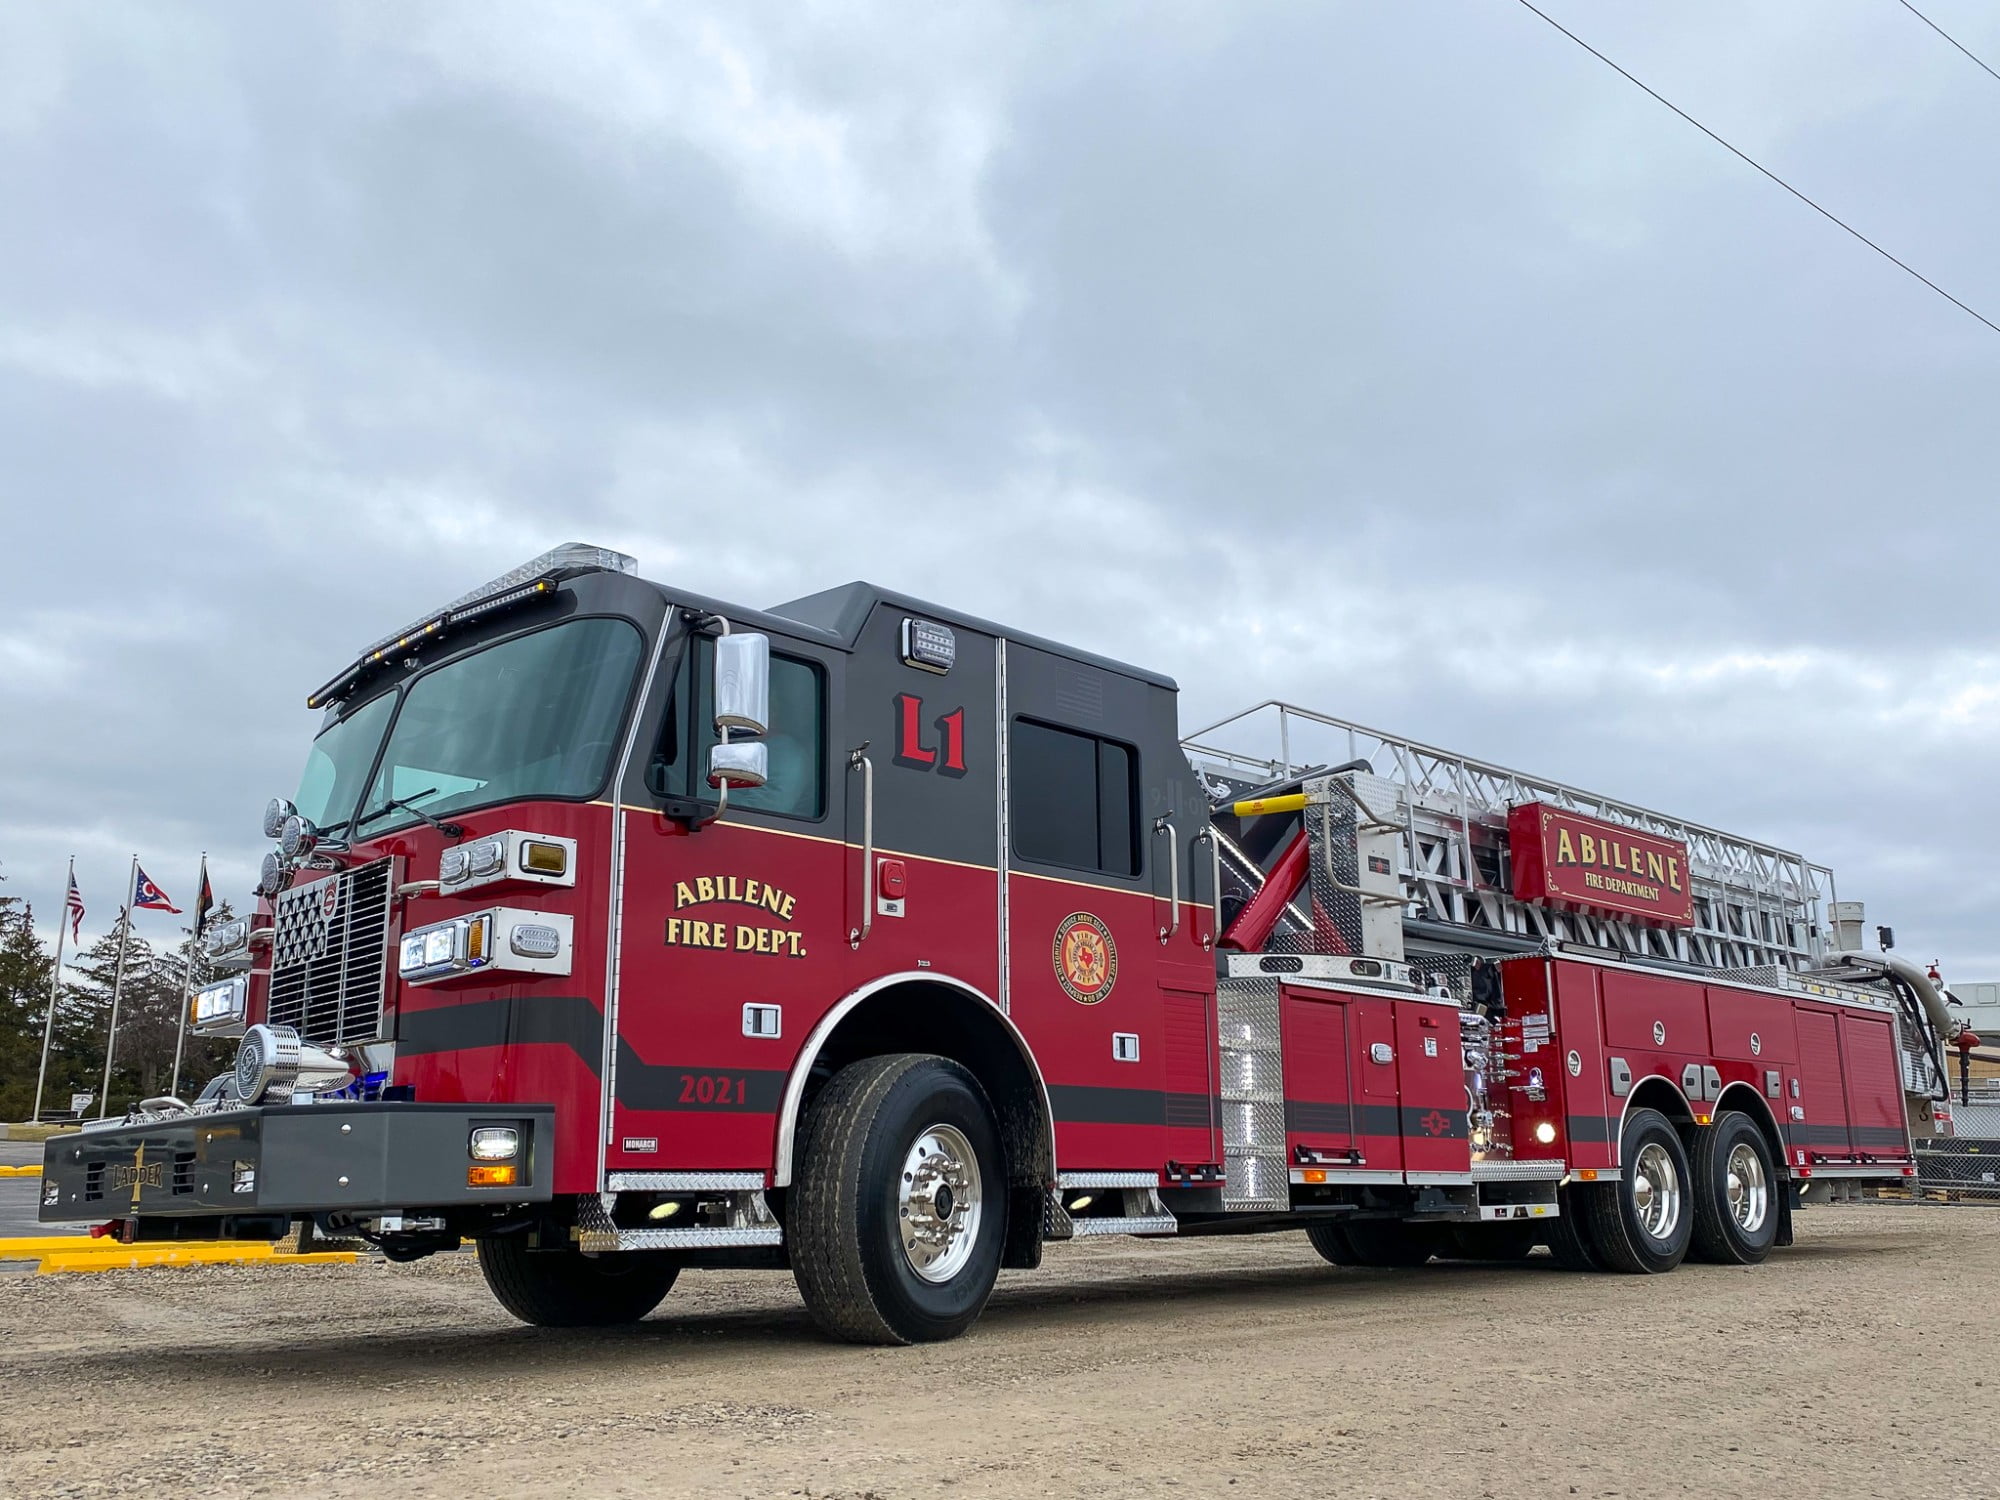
column 408, row 805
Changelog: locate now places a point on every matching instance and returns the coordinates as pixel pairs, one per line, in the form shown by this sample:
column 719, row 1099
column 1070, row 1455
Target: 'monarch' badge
column 1086, row 959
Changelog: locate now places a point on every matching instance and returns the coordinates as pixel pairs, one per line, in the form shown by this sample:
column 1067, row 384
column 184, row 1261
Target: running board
column 1147, row 1224
column 1143, row 1213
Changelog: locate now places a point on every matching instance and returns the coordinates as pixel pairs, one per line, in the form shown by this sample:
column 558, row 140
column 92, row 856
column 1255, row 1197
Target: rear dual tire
column 1736, row 1195
column 1642, row 1224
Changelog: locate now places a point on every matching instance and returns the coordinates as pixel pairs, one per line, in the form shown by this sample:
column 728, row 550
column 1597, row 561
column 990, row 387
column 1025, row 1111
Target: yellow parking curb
column 20, row 1171
column 77, row 1252
column 136, row 1257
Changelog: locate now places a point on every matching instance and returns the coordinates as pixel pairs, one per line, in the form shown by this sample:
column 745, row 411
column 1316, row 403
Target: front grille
column 329, row 956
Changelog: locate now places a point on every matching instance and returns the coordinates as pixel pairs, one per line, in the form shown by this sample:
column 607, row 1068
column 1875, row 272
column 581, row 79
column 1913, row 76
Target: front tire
column 1643, row 1225
column 1376, row 1242
column 568, row 1289
column 899, row 1210
column 1735, row 1193
column 1514, row 1240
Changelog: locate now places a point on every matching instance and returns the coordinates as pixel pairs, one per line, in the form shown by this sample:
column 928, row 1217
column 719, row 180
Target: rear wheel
column 1735, row 1193
column 1642, row 1226
column 568, row 1289
column 900, row 1206
column 1510, row 1241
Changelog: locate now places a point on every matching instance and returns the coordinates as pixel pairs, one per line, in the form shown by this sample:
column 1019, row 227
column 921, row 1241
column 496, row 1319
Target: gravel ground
column 1204, row 1367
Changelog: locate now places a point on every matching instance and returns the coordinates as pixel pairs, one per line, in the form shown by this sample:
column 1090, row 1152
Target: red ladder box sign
column 1568, row 860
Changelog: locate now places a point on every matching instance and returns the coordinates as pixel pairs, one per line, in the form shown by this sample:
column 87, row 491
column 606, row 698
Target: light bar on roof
column 536, row 577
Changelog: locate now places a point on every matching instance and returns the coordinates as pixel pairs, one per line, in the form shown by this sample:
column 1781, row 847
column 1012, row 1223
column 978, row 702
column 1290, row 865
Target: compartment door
column 1874, row 1090
column 1188, row 1069
column 1319, row 1076
column 1824, row 1132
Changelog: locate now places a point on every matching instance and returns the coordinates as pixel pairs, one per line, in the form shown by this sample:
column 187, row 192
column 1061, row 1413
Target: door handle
column 1166, row 826
column 856, row 936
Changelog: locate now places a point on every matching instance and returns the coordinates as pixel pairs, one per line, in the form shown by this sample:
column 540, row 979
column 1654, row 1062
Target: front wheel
column 568, row 1289
column 1735, row 1193
column 1643, row 1224
column 899, row 1210
column 1376, row 1242
column 1515, row 1239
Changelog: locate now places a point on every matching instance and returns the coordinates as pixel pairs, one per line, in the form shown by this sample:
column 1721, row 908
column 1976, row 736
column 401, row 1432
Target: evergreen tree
column 24, row 999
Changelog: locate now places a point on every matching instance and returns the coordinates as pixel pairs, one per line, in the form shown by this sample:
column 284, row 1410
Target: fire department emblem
column 329, row 900
column 1086, row 959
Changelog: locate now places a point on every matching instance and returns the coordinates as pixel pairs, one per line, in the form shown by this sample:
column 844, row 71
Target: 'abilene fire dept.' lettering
column 725, row 936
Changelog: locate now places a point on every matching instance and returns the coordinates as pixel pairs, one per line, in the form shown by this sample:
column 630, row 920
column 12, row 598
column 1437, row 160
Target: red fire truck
column 620, row 930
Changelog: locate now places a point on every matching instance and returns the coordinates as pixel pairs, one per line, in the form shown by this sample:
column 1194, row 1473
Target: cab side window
column 1075, row 799
column 796, row 743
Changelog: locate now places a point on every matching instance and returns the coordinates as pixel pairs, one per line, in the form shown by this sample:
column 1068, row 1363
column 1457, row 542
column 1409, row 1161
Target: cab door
column 733, row 935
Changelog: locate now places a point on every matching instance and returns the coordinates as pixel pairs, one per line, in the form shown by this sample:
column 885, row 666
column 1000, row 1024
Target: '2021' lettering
column 714, row 1088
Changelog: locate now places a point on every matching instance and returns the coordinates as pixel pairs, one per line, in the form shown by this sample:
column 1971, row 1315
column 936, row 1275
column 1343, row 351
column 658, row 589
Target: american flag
column 73, row 909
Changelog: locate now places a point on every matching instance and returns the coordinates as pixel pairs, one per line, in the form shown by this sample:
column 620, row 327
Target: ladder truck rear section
column 620, row 929
column 1666, row 1045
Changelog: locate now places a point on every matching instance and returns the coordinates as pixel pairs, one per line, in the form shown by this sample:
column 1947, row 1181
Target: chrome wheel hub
column 1656, row 1191
column 939, row 1203
column 1748, row 1187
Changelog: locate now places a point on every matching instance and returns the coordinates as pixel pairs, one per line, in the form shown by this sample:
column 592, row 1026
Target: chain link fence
column 1965, row 1166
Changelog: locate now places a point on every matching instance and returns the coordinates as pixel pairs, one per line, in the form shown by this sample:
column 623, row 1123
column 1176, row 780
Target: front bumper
column 291, row 1159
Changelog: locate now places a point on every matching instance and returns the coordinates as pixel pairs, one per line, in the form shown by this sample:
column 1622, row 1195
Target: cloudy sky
column 1398, row 359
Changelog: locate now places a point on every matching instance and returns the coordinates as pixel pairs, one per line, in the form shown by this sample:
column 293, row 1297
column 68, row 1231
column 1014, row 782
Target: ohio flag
column 148, row 897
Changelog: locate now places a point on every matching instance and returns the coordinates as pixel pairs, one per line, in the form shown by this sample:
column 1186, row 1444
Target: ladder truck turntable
column 623, row 930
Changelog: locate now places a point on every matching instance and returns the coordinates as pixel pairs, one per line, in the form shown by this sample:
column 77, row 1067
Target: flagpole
column 55, row 987
column 187, row 977
column 118, row 982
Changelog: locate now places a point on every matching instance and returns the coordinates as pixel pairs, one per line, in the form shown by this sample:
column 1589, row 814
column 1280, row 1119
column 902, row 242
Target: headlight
column 218, row 1007
column 494, row 1143
column 502, row 937
column 531, row 858
column 445, row 948
column 224, row 939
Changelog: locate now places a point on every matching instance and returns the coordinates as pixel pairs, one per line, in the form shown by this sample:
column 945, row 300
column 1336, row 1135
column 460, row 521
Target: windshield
column 536, row 716
column 337, row 769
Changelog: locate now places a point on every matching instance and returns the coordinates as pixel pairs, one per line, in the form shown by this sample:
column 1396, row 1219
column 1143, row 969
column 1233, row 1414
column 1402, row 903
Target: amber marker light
column 544, row 859
column 1586, row 1174
column 1314, row 1174
column 497, row 1175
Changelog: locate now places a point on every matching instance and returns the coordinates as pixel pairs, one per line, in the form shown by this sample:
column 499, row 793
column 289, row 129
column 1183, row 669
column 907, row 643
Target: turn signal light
column 490, row 1176
column 544, row 859
column 1314, row 1174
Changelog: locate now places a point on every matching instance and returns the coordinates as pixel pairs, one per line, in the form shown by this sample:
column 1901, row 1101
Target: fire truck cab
column 620, row 930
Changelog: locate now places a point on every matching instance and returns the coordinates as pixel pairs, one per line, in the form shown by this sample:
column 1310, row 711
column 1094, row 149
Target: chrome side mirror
column 742, row 764
column 743, row 684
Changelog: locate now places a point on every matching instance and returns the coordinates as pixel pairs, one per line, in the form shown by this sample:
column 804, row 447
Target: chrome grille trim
column 329, row 973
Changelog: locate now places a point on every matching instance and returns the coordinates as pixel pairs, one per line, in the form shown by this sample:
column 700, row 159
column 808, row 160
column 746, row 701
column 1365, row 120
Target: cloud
column 1428, row 375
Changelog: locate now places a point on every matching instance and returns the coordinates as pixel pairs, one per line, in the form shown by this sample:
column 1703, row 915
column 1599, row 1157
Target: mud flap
column 1022, row 1249
column 1787, row 1200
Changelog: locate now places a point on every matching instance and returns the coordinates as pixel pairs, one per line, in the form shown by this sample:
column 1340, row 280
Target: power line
column 1826, row 214
column 1945, row 34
